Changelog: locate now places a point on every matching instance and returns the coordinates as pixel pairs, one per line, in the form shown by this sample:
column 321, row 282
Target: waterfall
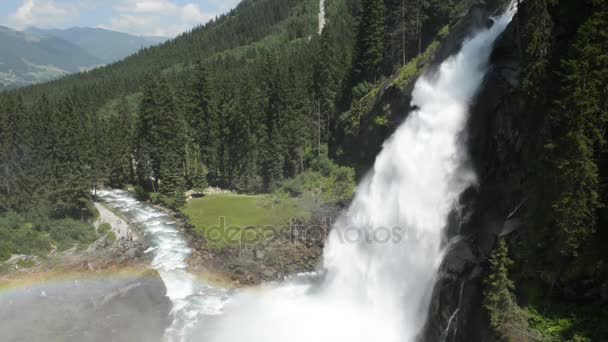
column 321, row 16
column 383, row 255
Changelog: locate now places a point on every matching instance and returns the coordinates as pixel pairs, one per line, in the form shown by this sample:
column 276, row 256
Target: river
column 192, row 300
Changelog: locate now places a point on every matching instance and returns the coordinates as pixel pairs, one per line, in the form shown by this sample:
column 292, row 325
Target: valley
column 305, row 170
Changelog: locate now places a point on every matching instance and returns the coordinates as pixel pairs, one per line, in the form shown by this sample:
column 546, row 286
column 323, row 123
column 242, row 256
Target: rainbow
column 113, row 275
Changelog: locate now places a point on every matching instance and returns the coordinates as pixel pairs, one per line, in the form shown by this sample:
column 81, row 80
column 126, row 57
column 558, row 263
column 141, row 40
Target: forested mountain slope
column 257, row 101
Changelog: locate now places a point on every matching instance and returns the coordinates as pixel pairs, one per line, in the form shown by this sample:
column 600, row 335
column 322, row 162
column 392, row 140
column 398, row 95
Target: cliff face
column 375, row 117
column 498, row 131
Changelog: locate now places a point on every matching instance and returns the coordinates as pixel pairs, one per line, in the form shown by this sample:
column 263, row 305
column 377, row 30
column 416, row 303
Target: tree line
column 245, row 102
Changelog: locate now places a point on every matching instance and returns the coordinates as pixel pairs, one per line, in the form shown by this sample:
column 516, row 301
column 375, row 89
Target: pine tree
column 295, row 124
column 171, row 143
column 15, row 149
column 71, row 174
column 505, row 315
column 119, row 141
column 403, row 18
column 325, row 84
column 247, row 136
column 537, row 32
column 41, row 127
column 147, row 154
column 273, row 144
column 578, row 123
column 196, row 173
column 369, row 49
column 203, row 120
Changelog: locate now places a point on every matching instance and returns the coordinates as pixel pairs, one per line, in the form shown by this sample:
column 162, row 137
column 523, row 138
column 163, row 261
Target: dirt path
column 119, row 225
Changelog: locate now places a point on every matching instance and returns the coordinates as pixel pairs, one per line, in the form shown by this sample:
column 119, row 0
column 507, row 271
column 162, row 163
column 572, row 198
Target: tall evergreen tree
column 203, row 120
column 325, row 84
column 71, row 181
column 119, row 141
column 578, row 124
column 505, row 315
column 147, row 137
column 171, row 143
column 369, row 49
column 15, row 155
column 273, row 152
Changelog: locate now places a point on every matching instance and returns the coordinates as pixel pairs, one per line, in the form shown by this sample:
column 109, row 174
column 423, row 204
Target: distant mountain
column 27, row 58
column 36, row 55
column 109, row 46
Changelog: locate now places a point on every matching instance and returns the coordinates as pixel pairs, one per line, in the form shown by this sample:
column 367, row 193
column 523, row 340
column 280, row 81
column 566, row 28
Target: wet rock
column 259, row 254
column 495, row 138
column 459, row 258
column 269, row 273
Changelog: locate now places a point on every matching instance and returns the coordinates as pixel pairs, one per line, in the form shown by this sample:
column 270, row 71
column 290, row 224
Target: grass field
column 224, row 218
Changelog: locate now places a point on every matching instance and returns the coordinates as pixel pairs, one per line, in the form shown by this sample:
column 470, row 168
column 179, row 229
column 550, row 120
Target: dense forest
column 257, row 102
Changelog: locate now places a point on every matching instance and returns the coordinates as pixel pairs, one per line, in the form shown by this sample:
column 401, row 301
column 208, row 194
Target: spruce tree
column 505, row 315
column 369, row 49
column 537, row 33
column 203, row 120
column 171, row 143
column 578, row 123
column 147, row 151
column 71, row 181
column 325, row 84
column 119, row 141
column 15, row 154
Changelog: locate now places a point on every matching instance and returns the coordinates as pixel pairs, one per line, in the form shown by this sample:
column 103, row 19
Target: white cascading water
column 374, row 290
column 321, row 16
column 191, row 299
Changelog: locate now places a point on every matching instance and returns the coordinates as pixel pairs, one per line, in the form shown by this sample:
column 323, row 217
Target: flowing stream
column 191, row 299
column 382, row 258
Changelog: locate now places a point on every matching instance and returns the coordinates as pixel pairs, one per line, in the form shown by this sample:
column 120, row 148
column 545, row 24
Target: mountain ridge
column 38, row 55
column 30, row 58
column 108, row 45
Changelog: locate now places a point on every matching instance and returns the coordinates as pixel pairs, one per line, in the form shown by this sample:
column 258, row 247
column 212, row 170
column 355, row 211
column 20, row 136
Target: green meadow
column 222, row 219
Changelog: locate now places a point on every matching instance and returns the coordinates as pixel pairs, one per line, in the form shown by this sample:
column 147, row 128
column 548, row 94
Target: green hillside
column 29, row 58
column 248, row 102
column 260, row 103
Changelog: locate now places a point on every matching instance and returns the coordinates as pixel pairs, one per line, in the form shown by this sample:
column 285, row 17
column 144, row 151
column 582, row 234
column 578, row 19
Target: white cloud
column 157, row 17
column 42, row 13
column 142, row 17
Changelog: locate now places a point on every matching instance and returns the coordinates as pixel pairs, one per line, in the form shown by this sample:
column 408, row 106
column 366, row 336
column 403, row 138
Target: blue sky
column 141, row 17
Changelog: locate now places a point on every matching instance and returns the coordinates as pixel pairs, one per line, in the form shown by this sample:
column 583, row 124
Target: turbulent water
column 191, row 299
column 383, row 255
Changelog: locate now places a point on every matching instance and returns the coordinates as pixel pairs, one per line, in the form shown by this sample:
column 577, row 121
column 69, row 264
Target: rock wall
column 499, row 133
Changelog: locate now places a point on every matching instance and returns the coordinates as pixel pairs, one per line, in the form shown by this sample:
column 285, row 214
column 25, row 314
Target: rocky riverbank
column 127, row 250
column 106, row 292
